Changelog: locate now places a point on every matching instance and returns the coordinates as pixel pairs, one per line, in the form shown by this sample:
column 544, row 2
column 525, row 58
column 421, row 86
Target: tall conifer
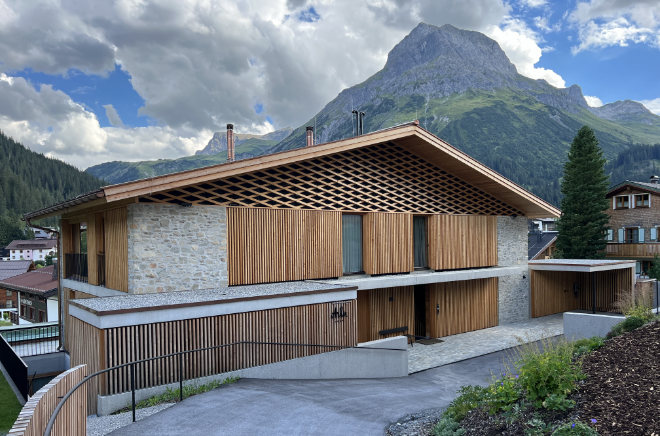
column 582, row 226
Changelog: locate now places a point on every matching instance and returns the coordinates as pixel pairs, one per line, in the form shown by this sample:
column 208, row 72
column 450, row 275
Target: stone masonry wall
column 174, row 248
column 514, row 291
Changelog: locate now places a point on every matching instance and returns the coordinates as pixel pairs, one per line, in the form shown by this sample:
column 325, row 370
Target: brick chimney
column 310, row 136
column 230, row 143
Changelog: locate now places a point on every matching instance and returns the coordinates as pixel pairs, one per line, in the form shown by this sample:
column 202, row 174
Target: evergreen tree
column 582, row 226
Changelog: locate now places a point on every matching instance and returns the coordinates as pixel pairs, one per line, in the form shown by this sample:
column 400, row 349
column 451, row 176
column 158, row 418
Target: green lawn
column 9, row 406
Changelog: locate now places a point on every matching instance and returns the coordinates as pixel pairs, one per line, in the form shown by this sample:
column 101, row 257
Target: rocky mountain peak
column 448, row 47
column 624, row 110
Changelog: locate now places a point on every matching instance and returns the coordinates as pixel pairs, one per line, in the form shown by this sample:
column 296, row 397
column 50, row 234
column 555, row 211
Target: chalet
column 634, row 222
column 32, row 249
column 36, row 293
column 388, row 233
column 11, row 268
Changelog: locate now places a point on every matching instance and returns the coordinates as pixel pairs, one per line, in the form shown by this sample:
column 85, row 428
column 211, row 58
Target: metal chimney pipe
column 354, row 113
column 310, row 136
column 654, row 179
column 361, row 123
column 230, row 143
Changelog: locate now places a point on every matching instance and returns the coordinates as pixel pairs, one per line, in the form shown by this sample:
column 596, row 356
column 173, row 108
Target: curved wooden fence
column 72, row 419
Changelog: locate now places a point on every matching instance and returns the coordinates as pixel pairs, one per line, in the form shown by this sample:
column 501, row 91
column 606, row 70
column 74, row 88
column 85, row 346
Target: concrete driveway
column 317, row 407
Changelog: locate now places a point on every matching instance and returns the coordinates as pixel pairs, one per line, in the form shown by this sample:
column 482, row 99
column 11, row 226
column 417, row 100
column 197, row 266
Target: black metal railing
column 16, row 368
column 181, row 360
column 75, row 266
column 100, row 268
column 32, row 339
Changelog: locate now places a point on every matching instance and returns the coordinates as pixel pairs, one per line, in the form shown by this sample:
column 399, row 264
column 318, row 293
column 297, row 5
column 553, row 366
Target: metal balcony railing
column 75, row 266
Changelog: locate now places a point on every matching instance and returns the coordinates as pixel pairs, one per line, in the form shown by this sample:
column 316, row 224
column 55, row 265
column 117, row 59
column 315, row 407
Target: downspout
column 60, row 295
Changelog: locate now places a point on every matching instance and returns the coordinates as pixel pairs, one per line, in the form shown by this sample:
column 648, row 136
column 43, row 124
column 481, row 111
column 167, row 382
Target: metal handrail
column 180, row 354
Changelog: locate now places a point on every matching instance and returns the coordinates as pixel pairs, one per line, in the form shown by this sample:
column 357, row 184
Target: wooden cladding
column 116, row 249
column 387, row 243
column 277, row 245
column 626, row 251
column 72, row 418
column 385, row 309
column 86, row 345
column 462, row 241
column 458, row 307
column 561, row 291
column 379, row 178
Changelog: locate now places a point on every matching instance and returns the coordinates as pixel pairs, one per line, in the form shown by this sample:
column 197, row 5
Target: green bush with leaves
column 502, row 394
column 627, row 325
column 548, row 372
column 587, row 345
column 469, row 397
column 448, row 427
column 575, row 429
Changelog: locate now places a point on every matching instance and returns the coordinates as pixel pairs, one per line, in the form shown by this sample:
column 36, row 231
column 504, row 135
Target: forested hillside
column 638, row 163
column 30, row 181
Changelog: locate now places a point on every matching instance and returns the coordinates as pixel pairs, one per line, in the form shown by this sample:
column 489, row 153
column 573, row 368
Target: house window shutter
column 654, row 234
column 641, row 235
column 621, row 235
column 610, row 234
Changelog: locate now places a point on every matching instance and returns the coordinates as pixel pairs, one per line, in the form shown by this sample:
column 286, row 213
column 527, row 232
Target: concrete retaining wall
column 376, row 359
column 578, row 325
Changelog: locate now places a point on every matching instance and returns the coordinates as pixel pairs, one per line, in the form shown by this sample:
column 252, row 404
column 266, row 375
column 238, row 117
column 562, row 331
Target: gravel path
column 102, row 425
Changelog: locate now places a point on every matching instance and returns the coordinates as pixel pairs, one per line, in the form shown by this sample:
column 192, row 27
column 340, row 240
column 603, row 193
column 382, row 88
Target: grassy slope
column 9, row 405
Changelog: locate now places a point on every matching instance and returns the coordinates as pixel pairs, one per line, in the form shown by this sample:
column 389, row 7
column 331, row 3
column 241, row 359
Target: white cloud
column 604, row 23
column 113, row 115
column 593, row 101
column 521, row 46
column 200, row 64
column 534, row 3
column 652, row 105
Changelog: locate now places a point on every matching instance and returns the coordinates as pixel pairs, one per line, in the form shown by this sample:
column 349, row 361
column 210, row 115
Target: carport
column 561, row 285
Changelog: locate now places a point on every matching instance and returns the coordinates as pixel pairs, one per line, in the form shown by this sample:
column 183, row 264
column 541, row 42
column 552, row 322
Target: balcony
column 75, row 266
column 635, row 251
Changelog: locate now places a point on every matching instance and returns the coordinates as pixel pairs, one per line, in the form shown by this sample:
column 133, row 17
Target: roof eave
column 58, row 208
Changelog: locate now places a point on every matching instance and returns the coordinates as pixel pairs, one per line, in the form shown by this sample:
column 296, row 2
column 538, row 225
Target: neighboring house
column 11, row 268
column 541, row 245
column 634, row 222
column 41, row 233
column 32, row 249
column 545, row 224
column 37, row 294
column 393, row 232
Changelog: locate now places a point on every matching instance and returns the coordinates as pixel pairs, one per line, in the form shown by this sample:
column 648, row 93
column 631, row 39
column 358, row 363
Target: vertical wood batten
column 116, row 246
column 276, row 245
column 462, row 241
column 387, row 243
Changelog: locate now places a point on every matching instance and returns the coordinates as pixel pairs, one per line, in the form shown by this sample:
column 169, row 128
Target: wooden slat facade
column 387, row 243
column 277, row 245
column 646, row 250
column 87, row 346
column 72, row 418
column 458, row 307
column 309, row 324
column 462, row 241
column 116, row 249
column 385, row 309
column 561, row 291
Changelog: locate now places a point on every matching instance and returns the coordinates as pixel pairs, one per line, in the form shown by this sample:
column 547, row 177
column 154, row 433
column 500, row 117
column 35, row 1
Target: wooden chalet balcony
column 646, row 250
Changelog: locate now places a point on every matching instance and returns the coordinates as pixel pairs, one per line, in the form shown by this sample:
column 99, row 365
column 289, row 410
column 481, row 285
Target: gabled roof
column 644, row 186
column 409, row 136
column 42, row 282
column 11, row 268
column 32, row 244
column 538, row 242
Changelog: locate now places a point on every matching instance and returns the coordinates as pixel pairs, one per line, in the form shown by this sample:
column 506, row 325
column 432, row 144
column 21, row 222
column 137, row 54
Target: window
column 654, row 233
column 642, row 200
column 622, row 202
column 351, row 240
column 419, row 241
column 9, row 304
column 9, row 293
column 632, row 235
column 610, row 234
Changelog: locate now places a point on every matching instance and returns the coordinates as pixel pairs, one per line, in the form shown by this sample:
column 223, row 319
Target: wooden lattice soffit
column 378, row 178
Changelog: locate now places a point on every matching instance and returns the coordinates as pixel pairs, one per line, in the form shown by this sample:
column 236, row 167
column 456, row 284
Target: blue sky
column 97, row 81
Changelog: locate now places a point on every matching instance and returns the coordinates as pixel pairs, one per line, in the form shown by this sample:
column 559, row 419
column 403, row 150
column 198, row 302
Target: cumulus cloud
column 593, row 101
column 652, row 105
column 604, row 23
column 200, row 64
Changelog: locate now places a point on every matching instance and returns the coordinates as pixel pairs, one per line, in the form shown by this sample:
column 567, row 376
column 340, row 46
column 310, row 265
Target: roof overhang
column 631, row 184
column 580, row 265
column 409, row 136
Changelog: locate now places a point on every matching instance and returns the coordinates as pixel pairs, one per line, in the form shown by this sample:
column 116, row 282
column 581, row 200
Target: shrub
column 448, row 427
column 547, row 372
column 575, row 429
column 502, row 394
column 627, row 325
column 537, row 427
column 637, row 303
column 558, row 402
column 587, row 345
column 470, row 397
